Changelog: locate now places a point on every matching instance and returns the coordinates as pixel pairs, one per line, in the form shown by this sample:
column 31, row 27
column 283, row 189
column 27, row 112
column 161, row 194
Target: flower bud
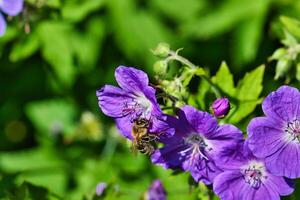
column 160, row 67
column 162, row 50
column 220, row 107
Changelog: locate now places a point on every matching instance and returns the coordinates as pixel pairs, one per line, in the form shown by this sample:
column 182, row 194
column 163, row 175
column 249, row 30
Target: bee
column 143, row 141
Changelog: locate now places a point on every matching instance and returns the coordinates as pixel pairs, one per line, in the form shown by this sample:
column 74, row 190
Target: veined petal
column 285, row 162
column 131, row 79
column 282, row 104
column 113, row 101
column 169, row 156
column 11, row 7
column 125, row 125
column 2, row 25
column 280, row 184
column 263, row 132
column 202, row 122
column 227, row 184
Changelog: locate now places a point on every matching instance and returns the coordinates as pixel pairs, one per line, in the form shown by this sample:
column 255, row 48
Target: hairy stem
column 174, row 56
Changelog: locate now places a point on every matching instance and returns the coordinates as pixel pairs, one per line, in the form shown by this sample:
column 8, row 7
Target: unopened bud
column 220, row 107
column 162, row 50
column 160, row 67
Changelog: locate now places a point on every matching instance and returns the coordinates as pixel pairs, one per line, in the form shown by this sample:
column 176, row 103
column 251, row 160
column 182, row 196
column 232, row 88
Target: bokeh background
column 52, row 132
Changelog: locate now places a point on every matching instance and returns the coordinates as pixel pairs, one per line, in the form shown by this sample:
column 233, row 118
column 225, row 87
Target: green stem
column 174, row 56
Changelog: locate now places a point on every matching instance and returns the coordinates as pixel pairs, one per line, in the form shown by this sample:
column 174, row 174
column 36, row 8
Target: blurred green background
column 53, row 135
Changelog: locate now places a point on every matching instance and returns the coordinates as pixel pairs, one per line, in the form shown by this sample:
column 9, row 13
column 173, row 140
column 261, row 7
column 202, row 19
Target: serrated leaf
column 247, row 94
column 56, row 49
column 78, row 10
column 24, row 48
column 250, row 87
column 224, row 79
column 291, row 25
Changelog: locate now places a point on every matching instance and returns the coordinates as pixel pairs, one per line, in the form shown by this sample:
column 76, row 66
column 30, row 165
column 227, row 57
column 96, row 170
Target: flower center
column 293, row 128
column 254, row 174
column 139, row 107
column 197, row 147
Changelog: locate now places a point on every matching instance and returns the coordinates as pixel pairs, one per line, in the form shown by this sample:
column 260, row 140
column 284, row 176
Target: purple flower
column 135, row 99
column 220, row 107
column 276, row 136
column 246, row 177
column 156, row 191
column 100, row 188
column 196, row 144
column 9, row 7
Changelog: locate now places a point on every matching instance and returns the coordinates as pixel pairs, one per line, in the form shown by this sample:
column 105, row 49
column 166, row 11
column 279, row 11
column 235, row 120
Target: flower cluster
column 258, row 167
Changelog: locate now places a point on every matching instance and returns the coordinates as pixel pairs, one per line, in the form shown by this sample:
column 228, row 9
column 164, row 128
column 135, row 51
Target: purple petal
column 112, row 100
column 263, row 192
column 100, row 188
column 131, row 79
column 125, row 126
column 227, row 184
column 11, row 7
column 163, row 129
column 283, row 104
column 169, row 156
column 149, row 93
column 263, row 132
column 2, row 25
column 224, row 137
column 285, row 162
column 156, row 191
column 279, row 184
column 204, row 170
column 202, row 122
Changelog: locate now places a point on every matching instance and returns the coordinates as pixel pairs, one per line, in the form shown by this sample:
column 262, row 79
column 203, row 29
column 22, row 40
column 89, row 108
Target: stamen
column 139, row 107
column 197, row 147
column 254, row 175
column 293, row 128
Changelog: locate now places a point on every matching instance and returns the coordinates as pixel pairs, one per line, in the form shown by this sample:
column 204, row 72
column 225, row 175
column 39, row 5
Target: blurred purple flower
column 100, row 188
column 196, row 144
column 156, row 191
column 11, row 8
column 276, row 136
column 246, row 177
column 220, row 107
column 135, row 99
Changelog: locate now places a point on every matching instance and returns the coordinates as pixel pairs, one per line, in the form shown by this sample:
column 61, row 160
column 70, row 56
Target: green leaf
column 224, row 79
column 56, row 49
column 178, row 9
column 139, row 33
column 247, row 93
column 77, row 10
column 248, row 35
column 298, row 71
column 221, row 19
column 28, row 191
column 87, row 45
column 250, row 87
column 291, row 25
column 24, row 48
column 52, row 116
